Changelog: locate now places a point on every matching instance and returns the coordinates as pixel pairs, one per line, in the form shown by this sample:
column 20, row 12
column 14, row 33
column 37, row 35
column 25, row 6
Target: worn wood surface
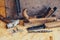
column 2, row 8
column 5, row 34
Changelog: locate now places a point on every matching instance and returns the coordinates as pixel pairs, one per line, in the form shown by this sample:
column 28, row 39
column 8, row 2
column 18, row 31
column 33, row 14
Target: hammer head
column 13, row 24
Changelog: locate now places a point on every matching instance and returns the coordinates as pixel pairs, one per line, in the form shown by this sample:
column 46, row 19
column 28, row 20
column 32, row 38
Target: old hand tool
column 4, row 19
column 13, row 23
column 10, row 23
column 38, row 29
column 43, row 26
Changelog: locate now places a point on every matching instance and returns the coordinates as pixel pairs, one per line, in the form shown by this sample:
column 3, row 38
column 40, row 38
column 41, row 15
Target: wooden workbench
column 5, row 34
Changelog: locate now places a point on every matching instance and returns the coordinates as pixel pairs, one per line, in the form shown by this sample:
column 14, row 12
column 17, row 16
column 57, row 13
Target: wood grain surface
column 22, row 34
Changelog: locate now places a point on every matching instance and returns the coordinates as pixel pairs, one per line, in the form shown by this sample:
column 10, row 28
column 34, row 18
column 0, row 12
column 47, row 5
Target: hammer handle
column 52, row 24
column 4, row 19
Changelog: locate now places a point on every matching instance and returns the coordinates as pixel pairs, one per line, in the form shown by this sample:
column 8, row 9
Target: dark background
column 34, row 6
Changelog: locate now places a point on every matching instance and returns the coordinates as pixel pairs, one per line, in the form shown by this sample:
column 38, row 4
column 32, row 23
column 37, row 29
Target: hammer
column 10, row 23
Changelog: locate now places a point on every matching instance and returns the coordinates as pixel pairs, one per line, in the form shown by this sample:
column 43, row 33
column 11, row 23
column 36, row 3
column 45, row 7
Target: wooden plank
column 2, row 3
column 2, row 8
column 2, row 11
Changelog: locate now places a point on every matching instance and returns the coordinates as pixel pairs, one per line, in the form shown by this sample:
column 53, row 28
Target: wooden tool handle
column 24, row 14
column 43, row 20
column 36, row 22
column 52, row 24
column 4, row 19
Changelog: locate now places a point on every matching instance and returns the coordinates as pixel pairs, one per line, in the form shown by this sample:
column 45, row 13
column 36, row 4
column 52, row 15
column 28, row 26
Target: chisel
column 46, row 25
